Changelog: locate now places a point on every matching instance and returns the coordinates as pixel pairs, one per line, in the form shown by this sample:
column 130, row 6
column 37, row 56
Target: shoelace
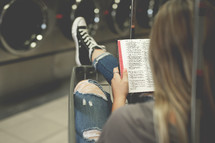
column 90, row 42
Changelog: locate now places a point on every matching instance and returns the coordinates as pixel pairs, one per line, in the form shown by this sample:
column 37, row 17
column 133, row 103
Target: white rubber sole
column 74, row 35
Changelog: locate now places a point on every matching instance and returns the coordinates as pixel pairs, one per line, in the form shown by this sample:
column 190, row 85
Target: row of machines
column 36, row 46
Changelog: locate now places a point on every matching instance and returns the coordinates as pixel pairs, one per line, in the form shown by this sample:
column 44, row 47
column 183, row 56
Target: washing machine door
column 71, row 9
column 22, row 24
column 118, row 16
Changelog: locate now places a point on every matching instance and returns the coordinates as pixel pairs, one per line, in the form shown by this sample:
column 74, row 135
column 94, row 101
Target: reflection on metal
column 74, row 7
column 6, row 6
column 43, row 26
column 78, row 1
column 96, row 10
column 150, row 11
column 117, row 1
column 33, row 45
column 39, row 37
column 115, row 6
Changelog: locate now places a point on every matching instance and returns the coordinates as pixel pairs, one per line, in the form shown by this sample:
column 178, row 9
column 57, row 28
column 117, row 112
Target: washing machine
column 35, row 57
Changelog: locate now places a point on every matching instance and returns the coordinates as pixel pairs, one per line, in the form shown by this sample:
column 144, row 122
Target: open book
column 133, row 55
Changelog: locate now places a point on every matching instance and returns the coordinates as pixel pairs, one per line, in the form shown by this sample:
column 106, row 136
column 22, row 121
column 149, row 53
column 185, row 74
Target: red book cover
column 120, row 58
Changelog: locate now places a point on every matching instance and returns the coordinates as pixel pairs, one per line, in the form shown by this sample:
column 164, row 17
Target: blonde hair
column 171, row 62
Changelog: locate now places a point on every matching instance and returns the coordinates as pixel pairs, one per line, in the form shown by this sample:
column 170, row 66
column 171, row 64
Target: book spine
column 120, row 58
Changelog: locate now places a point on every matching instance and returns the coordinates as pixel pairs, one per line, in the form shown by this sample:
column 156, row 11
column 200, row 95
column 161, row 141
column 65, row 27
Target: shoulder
column 138, row 110
column 131, row 123
column 135, row 113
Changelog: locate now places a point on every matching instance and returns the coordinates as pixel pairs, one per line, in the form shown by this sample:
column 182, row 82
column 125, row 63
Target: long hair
column 171, row 58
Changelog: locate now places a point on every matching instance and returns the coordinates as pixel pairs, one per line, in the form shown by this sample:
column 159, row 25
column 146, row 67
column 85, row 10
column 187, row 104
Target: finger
column 116, row 72
column 125, row 75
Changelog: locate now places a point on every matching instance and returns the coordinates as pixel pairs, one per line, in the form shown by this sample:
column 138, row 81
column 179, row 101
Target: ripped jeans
column 93, row 104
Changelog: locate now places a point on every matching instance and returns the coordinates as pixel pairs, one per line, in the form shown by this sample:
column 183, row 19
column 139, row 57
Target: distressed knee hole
column 92, row 134
column 85, row 87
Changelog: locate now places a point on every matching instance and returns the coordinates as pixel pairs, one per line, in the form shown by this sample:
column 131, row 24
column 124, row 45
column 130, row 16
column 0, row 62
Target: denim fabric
column 91, row 112
column 94, row 116
column 105, row 64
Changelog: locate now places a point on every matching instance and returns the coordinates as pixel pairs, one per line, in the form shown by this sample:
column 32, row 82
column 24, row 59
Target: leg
column 88, row 51
column 84, row 43
column 92, row 108
column 105, row 63
column 96, row 53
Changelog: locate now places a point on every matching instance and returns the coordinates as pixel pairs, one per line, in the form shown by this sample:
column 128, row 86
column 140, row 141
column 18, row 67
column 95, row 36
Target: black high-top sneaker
column 84, row 43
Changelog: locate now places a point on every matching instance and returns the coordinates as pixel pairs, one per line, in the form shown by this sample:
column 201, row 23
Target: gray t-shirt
column 130, row 124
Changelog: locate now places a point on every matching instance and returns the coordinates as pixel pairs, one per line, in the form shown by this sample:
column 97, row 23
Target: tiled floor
column 47, row 123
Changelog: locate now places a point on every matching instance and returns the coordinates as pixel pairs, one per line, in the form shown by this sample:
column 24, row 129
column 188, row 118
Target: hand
column 119, row 88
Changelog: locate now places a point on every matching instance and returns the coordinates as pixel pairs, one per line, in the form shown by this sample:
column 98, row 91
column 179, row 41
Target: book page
column 133, row 55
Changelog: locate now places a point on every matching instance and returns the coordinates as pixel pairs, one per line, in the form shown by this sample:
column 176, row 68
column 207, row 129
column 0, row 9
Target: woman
column 171, row 63
column 167, row 119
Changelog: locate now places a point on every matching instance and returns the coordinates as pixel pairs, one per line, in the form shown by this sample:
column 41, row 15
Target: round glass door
column 22, row 25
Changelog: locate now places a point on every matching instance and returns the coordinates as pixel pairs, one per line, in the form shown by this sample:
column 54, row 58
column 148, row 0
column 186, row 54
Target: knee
column 87, row 87
column 92, row 134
